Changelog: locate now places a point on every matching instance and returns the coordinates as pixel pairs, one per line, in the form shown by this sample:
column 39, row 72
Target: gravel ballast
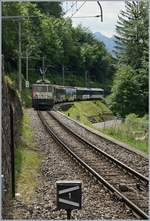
column 56, row 165
column 128, row 157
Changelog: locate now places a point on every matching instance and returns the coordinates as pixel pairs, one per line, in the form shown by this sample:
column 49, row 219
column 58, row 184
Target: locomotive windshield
column 42, row 88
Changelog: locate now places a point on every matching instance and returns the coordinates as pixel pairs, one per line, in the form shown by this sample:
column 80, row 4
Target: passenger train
column 45, row 95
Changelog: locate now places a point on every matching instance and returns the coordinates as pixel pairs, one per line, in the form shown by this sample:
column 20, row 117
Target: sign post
column 27, row 84
column 68, row 195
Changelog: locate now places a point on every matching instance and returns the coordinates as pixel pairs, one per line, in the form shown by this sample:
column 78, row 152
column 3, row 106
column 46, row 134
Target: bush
column 129, row 92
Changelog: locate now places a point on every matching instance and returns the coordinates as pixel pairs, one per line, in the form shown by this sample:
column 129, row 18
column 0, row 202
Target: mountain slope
column 109, row 42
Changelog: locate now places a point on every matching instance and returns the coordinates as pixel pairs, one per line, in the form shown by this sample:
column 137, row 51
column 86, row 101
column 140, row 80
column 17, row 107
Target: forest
column 74, row 57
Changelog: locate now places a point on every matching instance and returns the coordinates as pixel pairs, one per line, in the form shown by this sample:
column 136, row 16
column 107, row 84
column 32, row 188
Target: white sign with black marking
column 68, row 195
column 27, row 84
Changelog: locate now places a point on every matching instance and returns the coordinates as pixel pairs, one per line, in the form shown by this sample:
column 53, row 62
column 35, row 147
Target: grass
column 27, row 133
column 88, row 112
column 27, row 162
column 26, row 97
column 127, row 135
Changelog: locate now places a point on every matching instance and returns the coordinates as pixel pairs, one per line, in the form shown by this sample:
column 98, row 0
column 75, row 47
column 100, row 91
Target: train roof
column 79, row 88
column 97, row 89
column 41, row 81
column 90, row 89
column 41, row 84
column 61, row 86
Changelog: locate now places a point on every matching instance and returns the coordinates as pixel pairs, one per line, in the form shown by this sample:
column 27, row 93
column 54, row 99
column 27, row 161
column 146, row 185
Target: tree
column 50, row 8
column 10, row 32
column 132, row 33
column 129, row 91
column 51, row 36
column 130, row 85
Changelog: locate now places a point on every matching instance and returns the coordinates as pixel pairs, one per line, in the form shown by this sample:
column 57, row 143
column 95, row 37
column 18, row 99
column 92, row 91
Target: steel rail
column 102, row 137
column 128, row 202
column 130, row 170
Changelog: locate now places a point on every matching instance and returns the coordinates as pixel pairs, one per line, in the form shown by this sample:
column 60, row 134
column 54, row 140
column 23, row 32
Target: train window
column 41, row 88
column 96, row 92
column 49, row 88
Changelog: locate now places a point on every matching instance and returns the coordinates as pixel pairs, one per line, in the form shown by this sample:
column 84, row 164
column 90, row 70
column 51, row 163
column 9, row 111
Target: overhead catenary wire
column 97, row 16
column 71, row 7
column 13, row 17
column 78, row 9
column 90, row 16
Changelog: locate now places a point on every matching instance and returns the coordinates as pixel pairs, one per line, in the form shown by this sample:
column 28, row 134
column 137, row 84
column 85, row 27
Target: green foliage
column 122, row 133
column 88, row 112
column 130, row 85
column 98, row 63
column 129, row 91
column 27, row 132
column 27, row 162
column 50, row 8
column 137, row 123
column 12, row 89
column 26, row 98
column 132, row 33
column 134, row 131
column 52, row 36
column 9, row 81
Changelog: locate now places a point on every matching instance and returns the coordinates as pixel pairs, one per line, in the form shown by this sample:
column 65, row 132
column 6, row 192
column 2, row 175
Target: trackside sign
column 68, row 194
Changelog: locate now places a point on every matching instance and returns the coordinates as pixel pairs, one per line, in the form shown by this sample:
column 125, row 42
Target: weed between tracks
column 27, row 162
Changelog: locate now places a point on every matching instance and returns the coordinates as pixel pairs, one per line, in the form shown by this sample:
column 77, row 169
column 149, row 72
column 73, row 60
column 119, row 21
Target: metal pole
column 1, row 199
column 27, row 65
column 101, row 10
column 43, row 65
column 3, row 69
column 149, row 66
column 19, row 73
column 68, row 214
column 85, row 78
column 12, row 151
column 63, row 75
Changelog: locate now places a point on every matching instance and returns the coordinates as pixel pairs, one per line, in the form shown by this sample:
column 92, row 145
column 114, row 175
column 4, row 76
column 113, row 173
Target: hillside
column 88, row 112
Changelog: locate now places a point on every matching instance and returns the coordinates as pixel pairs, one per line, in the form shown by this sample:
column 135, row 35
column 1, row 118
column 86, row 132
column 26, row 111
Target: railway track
column 133, row 158
column 128, row 185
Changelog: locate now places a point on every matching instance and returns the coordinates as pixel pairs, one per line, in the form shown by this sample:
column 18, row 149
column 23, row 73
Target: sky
column 111, row 11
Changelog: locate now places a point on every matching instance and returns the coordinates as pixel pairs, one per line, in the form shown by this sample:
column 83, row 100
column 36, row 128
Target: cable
column 96, row 16
column 70, row 7
column 78, row 9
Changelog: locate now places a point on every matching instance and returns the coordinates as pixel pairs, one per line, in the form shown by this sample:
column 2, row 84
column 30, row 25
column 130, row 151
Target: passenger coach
column 45, row 95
